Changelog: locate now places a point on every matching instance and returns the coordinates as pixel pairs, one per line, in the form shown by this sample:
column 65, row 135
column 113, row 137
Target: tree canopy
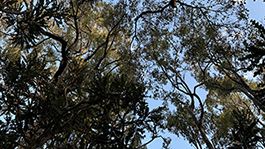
column 80, row 73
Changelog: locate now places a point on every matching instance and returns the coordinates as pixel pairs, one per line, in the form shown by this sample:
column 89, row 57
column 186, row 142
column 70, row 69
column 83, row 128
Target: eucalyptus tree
column 204, row 39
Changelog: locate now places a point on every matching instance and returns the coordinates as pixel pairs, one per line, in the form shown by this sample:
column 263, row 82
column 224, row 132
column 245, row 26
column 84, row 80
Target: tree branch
column 64, row 60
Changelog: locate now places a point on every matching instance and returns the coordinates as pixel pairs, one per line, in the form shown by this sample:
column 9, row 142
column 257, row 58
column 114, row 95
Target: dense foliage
column 78, row 74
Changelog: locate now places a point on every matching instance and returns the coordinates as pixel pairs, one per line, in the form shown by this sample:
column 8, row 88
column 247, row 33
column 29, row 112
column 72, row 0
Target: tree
column 198, row 38
column 254, row 58
column 64, row 83
column 77, row 73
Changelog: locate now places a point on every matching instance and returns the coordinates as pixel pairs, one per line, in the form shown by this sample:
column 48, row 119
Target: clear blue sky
column 257, row 12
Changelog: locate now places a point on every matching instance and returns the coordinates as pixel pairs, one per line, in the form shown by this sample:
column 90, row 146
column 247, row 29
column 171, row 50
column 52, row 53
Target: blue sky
column 257, row 12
